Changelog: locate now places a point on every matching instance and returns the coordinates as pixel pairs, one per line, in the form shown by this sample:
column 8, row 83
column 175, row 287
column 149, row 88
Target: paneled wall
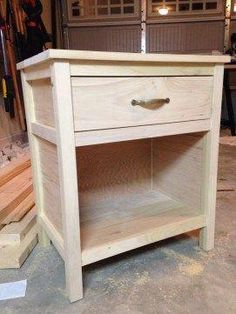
column 106, row 38
column 188, row 37
column 191, row 31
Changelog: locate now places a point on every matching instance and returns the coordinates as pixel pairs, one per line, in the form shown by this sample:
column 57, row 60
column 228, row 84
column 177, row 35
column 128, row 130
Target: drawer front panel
column 103, row 103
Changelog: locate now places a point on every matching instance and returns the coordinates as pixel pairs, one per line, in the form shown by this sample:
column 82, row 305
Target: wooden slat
column 46, row 132
column 224, row 186
column 118, row 56
column 42, row 72
column 20, row 210
column 15, row 232
column 14, row 192
column 92, row 68
column 139, row 132
column 13, row 169
column 13, row 256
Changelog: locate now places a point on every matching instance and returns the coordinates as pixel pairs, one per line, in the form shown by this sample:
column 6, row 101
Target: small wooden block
column 15, row 232
column 20, row 210
column 13, row 169
column 14, row 192
column 13, row 256
column 224, row 186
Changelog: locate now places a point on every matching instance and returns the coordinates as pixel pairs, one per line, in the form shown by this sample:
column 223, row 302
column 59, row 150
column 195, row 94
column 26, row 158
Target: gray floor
column 172, row 276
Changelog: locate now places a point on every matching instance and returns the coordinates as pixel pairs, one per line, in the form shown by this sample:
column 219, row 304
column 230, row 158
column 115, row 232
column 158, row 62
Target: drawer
column 107, row 102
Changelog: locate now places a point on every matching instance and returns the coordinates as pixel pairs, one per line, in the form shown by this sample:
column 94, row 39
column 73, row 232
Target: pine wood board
column 16, row 231
column 70, row 55
column 96, row 105
column 179, row 159
column 224, row 186
column 21, row 210
column 14, row 192
column 13, row 169
column 117, row 231
column 13, row 256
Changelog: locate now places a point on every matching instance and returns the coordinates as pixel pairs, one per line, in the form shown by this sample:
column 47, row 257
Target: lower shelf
column 152, row 217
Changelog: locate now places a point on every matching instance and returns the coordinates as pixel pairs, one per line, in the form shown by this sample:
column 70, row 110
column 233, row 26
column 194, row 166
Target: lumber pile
column 18, row 229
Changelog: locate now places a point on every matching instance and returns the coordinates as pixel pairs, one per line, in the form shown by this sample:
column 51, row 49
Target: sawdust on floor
column 143, row 278
column 186, row 265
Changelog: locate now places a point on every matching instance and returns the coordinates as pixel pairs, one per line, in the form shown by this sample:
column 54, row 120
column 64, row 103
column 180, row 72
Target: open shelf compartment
column 138, row 192
column 122, row 229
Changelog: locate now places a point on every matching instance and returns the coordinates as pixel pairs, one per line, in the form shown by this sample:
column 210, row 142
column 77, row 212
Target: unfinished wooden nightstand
column 124, row 150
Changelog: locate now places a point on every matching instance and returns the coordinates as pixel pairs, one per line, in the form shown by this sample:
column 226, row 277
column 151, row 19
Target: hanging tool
column 7, row 84
column 37, row 35
column 10, row 63
column 13, row 19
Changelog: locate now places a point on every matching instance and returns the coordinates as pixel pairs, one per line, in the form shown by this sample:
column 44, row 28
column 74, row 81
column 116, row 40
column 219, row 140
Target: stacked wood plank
column 18, row 229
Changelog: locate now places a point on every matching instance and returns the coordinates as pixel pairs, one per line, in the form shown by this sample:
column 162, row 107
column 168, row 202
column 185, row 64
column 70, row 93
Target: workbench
column 124, row 150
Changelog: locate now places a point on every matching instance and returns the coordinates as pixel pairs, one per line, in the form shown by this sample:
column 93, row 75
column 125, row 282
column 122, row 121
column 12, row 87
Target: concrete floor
column 172, row 276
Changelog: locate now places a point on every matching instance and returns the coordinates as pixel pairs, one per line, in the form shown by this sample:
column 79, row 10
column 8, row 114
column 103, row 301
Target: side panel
column 112, row 173
column 177, row 167
column 50, row 183
column 44, row 159
column 43, row 105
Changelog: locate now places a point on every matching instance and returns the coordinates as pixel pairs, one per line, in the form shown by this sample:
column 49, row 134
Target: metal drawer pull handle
column 150, row 104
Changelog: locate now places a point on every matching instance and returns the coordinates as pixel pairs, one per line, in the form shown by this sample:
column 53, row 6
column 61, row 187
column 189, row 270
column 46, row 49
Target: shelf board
column 122, row 227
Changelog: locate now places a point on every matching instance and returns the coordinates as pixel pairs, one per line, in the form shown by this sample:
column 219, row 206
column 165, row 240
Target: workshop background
column 185, row 279
column 195, row 26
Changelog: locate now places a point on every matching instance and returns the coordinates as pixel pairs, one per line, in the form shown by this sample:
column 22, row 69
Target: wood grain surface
column 102, row 103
